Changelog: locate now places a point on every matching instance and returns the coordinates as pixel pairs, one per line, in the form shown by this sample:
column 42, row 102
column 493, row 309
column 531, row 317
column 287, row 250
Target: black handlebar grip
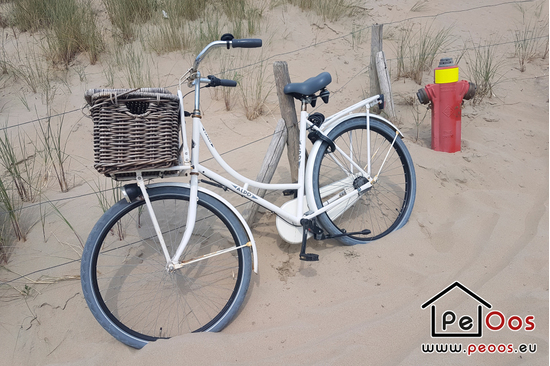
column 214, row 81
column 225, row 82
column 247, row 43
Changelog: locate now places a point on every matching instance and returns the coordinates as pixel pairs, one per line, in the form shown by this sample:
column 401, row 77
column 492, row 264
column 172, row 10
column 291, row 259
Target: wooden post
column 385, row 83
column 288, row 112
column 375, row 47
column 271, row 160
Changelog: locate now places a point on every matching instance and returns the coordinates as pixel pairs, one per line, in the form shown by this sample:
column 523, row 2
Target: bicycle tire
column 384, row 207
column 125, row 280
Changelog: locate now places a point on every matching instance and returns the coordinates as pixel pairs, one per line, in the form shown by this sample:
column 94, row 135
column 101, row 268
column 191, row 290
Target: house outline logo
column 470, row 293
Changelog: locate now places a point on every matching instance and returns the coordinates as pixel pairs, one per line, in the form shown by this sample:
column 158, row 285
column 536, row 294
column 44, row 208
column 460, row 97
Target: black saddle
column 309, row 87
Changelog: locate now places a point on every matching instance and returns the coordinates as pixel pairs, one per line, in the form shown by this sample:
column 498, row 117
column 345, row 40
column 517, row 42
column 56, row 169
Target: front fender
column 226, row 203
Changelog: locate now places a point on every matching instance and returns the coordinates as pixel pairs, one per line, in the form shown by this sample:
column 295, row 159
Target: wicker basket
column 134, row 130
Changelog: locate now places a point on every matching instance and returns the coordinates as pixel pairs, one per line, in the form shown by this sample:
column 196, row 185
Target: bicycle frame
column 195, row 168
column 300, row 186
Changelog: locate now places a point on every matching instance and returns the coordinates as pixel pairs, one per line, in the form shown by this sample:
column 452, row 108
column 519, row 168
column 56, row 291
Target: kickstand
column 308, row 226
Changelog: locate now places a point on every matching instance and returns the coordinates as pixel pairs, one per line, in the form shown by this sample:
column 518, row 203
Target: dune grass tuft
column 531, row 36
column 484, row 68
column 417, row 49
column 19, row 164
column 12, row 208
column 255, row 90
column 330, row 10
column 126, row 14
column 53, row 149
column 70, row 27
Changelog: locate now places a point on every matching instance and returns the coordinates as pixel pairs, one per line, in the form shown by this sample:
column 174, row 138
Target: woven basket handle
column 138, row 115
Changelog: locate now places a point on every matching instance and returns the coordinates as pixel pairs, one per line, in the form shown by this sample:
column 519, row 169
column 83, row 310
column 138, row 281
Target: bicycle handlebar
column 235, row 43
column 214, row 81
column 246, row 43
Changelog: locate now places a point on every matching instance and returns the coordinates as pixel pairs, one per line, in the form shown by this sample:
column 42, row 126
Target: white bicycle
column 174, row 258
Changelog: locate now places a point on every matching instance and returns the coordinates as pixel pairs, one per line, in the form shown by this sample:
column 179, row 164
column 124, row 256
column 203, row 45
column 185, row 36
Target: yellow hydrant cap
column 447, row 72
column 446, row 75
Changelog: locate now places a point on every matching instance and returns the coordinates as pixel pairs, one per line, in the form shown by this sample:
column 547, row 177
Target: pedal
column 309, row 257
column 308, row 225
column 290, row 192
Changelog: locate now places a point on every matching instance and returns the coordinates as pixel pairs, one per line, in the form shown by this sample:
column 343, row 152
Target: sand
column 480, row 218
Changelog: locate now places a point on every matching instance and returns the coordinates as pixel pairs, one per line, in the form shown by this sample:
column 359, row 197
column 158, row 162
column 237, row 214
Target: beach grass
column 420, row 5
column 531, row 36
column 11, row 206
column 53, row 140
column 329, row 10
column 126, row 15
column 20, row 164
column 255, row 90
column 71, row 27
column 485, row 67
column 417, row 48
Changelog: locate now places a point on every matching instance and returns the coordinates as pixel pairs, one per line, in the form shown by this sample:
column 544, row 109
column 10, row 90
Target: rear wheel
column 382, row 208
column 126, row 282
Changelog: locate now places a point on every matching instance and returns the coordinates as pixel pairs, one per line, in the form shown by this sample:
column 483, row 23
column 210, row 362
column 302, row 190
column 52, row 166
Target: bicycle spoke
column 386, row 203
column 138, row 293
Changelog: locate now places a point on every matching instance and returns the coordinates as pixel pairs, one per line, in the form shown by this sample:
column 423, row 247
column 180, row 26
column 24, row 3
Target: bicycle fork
column 173, row 263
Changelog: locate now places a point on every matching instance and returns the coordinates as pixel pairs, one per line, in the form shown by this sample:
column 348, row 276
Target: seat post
column 304, row 105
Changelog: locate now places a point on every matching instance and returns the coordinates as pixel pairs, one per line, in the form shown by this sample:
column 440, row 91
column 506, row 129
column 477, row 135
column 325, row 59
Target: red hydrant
column 446, row 96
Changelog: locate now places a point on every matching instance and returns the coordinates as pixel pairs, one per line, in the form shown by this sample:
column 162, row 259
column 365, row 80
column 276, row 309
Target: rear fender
column 329, row 125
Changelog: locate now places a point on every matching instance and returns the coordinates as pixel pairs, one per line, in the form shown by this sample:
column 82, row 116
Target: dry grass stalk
column 126, row 14
column 420, row 5
column 254, row 91
column 70, row 27
column 54, row 146
column 20, row 165
column 416, row 50
column 107, row 197
column 531, row 38
column 12, row 208
column 484, row 69
column 330, row 10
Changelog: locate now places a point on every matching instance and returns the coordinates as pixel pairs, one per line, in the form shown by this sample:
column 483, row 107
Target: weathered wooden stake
column 375, row 47
column 271, row 160
column 288, row 112
column 385, row 83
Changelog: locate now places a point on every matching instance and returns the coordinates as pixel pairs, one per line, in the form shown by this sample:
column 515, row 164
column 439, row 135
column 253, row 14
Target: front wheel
column 382, row 208
column 127, row 284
